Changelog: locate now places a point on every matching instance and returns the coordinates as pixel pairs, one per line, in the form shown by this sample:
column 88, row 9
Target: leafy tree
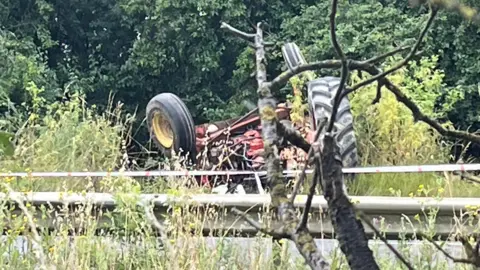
column 136, row 49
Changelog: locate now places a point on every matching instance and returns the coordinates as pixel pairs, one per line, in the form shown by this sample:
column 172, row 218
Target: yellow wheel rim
column 162, row 130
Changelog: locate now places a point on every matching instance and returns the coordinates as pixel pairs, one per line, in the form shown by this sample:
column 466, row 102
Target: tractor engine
column 252, row 148
column 237, row 152
column 240, row 149
column 222, row 149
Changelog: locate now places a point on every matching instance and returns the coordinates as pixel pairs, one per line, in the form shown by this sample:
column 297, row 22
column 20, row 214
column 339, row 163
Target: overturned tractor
column 236, row 144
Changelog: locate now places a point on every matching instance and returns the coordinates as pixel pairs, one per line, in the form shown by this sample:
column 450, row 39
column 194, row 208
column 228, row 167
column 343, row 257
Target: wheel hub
column 162, row 130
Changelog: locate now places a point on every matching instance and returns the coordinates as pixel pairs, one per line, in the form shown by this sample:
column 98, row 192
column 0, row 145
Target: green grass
column 405, row 184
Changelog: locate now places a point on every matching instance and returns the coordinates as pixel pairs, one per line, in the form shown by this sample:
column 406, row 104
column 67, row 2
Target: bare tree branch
column 238, row 33
column 433, row 13
column 473, row 258
column 378, row 96
column 349, row 230
column 300, row 181
column 418, row 115
column 343, row 59
column 465, row 11
column 333, row 32
column 283, row 78
column 293, row 136
column 316, row 176
column 384, row 240
column 271, row 138
column 375, row 60
column 259, row 227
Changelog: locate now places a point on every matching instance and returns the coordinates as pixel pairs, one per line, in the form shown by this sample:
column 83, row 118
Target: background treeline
column 132, row 50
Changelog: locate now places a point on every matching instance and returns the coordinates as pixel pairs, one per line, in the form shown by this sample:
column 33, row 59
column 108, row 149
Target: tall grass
column 68, row 136
column 125, row 238
column 387, row 133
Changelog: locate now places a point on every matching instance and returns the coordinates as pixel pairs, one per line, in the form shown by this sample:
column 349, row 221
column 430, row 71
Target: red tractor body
column 240, row 136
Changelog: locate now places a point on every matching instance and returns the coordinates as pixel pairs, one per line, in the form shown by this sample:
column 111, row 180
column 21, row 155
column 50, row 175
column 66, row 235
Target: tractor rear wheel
column 292, row 55
column 321, row 94
column 171, row 125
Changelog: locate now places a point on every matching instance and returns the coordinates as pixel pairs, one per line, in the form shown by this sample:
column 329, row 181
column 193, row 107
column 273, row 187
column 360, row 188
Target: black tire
column 292, row 55
column 180, row 120
column 321, row 94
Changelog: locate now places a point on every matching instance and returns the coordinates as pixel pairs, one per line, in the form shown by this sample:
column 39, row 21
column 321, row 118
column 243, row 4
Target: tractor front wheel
column 171, row 125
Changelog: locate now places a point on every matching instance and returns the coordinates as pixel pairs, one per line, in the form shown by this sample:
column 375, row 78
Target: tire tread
column 321, row 94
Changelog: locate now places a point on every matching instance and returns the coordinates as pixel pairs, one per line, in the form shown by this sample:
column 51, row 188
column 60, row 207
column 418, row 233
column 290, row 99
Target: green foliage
column 388, row 135
column 181, row 49
column 6, row 146
column 21, row 68
column 460, row 58
column 299, row 109
column 386, row 131
column 364, row 29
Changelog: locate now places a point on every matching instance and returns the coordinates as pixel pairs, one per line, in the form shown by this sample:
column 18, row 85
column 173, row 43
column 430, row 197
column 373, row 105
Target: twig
column 41, row 257
column 418, row 115
column 259, row 227
column 283, row 78
column 465, row 11
column 343, row 59
column 333, row 32
column 455, row 260
column 238, row 33
column 303, row 174
column 153, row 220
column 433, row 13
column 378, row 96
column 384, row 240
column 318, row 174
column 375, row 60
column 293, row 136
column 279, row 81
column 302, row 225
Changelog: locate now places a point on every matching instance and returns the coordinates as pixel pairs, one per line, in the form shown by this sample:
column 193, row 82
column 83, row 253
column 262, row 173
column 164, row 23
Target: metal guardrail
column 396, row 211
